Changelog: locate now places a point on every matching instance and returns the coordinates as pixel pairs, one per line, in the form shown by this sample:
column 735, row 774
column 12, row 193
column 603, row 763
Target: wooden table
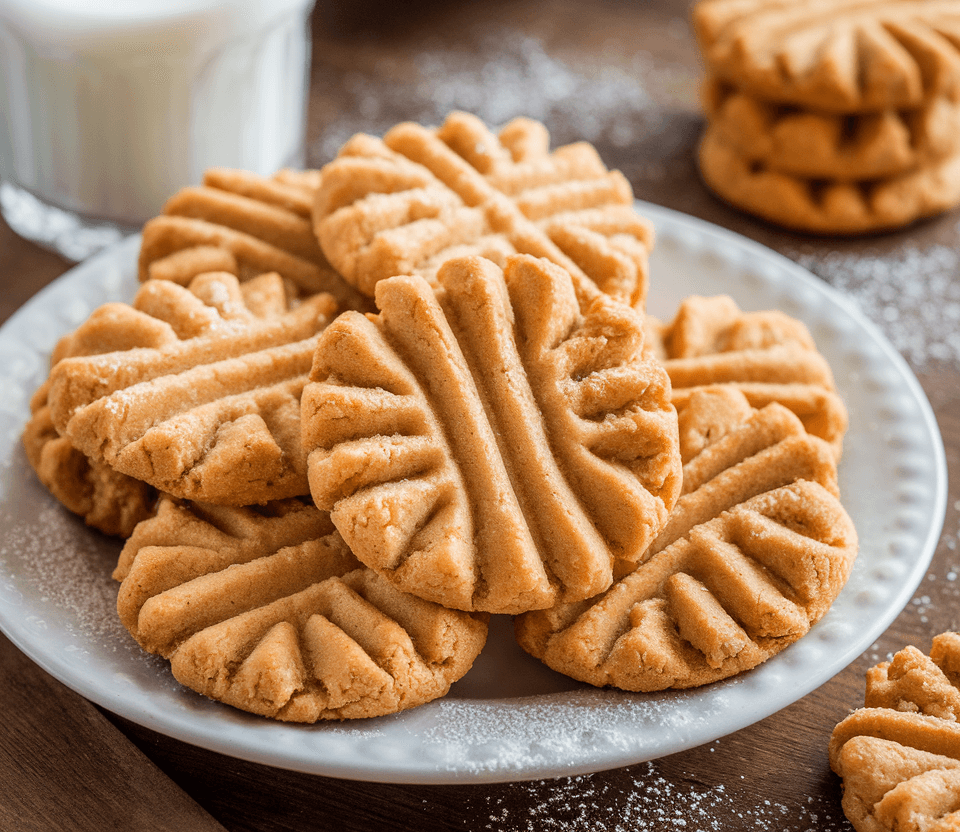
column 623, row 76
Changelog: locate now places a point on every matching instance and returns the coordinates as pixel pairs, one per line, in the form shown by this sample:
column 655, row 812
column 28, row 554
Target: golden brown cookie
column 245, row 224
column 732, row 593
column 108, row 501
column 841, row 56
column 913, row 681
column 833, row 146
column 768, row 356
column 899, row 755
column 267, row 610
column 754, row 554
column 498, row 448
column 210, row 409
column 766, row 450
column 421, row 196
column 823, row 206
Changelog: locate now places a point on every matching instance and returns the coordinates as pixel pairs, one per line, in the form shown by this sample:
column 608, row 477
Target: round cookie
column 421, row 196
column 501, row 446
column 210, row 408
column 834, row 146
column 245, row 224
column 823, row 206
column 755, row 552
column 842, row 56
column 266, row 610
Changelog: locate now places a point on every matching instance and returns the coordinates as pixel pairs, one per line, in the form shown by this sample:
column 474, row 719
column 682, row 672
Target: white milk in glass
column 108, row 107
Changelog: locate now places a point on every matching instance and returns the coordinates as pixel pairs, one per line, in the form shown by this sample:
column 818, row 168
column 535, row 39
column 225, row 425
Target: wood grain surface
column 625, row 77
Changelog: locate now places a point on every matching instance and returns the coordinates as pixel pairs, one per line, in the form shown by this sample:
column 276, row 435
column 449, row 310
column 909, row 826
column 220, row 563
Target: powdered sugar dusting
column 534, row 733
column 941, row 590
column 506, row 74
column 653, row 801
column 69, row 566
column 912, row 293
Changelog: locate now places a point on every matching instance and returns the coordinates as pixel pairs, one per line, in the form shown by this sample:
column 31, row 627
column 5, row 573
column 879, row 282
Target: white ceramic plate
column 510, row 718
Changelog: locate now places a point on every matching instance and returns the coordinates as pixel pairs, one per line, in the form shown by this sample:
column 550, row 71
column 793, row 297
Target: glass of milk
column 108, row 107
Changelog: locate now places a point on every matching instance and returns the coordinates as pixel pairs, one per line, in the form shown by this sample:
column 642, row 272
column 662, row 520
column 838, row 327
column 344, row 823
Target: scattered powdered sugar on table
column 942, row 591
column 875, row 655
column 912, row 294
column 506, row 75
column 655, row 803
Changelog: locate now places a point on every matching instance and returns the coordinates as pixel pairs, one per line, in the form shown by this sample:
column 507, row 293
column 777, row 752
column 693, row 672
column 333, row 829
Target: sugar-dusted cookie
column 839, row 147
column 824, row 206
column 266, row 610
column 501, row 447
column 245, row 224
column 899, row 755
column 421, row 196
column 768, row 356
column 754, row 554
column 209, row 407
column 836, row 55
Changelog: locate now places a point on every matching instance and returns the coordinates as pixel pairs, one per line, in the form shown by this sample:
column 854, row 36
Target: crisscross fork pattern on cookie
column 211, row 412
column 419, row 197
column 495, row 450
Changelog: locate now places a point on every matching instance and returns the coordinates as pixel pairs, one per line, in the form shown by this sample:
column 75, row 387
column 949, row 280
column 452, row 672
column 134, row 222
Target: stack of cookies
column 832, row 118
column 351, row 413
column 899, row 755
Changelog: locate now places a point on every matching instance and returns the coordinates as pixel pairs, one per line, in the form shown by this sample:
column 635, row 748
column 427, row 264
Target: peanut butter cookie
column 754, row 554
column 499, row 446
column 245, row 224
column 841, row 56
column 418, row 197
column 266, row 610
column 899, row 755
column 211, row 409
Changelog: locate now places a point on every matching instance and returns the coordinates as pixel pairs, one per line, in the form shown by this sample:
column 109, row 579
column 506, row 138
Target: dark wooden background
column 624, row 76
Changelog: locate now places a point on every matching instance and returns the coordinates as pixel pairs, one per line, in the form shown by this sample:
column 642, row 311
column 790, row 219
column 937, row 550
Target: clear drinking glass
column 108, row 107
